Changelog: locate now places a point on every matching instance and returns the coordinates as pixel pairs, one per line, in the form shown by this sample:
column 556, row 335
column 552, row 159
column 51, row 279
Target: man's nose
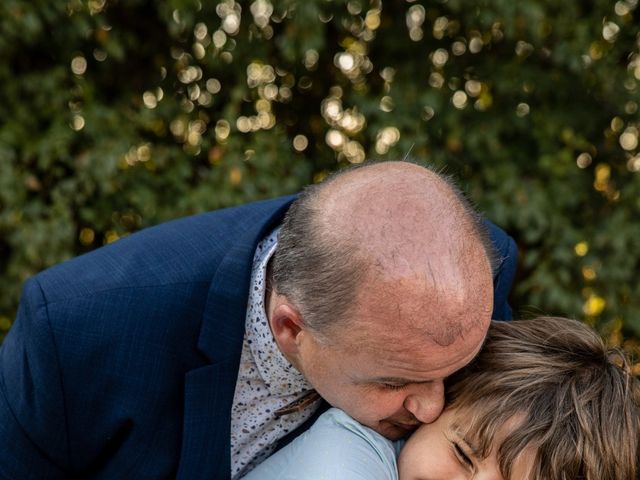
column 426, row 401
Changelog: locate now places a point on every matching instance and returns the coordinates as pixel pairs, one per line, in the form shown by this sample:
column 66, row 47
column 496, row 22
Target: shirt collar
column 280, row 377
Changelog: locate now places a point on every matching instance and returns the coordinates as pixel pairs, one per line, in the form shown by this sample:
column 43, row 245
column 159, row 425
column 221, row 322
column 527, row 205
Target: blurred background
column 117, row 115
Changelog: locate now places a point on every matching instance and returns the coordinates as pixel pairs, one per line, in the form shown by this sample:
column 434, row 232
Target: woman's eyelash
column 461, row 454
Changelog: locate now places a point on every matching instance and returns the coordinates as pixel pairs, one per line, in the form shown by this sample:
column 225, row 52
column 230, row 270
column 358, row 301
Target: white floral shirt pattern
column 266, row 381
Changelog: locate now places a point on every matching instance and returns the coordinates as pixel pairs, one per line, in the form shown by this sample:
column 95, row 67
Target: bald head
column 381, row 289
column 391, row 243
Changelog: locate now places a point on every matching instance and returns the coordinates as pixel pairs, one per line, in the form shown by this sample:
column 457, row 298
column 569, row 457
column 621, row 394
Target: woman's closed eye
column 461, row 454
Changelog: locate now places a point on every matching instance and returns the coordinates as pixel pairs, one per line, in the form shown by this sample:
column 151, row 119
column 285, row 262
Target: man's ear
column 286, row 325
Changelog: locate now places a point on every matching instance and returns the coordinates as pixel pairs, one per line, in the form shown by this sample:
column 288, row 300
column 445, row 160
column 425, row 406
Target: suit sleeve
column 33, row 440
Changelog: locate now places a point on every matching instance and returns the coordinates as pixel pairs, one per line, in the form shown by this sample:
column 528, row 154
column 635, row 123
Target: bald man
column 197, row 348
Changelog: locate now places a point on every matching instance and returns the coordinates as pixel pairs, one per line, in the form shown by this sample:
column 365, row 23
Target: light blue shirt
column 336, row 447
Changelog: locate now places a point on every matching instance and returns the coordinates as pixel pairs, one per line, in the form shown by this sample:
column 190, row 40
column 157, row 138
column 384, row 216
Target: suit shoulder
column 178, row 252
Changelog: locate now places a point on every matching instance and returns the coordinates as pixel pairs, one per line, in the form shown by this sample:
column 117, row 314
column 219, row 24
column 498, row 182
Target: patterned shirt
column 266, row 383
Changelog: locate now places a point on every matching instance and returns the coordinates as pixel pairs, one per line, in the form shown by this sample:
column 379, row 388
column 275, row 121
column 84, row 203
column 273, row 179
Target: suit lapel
column 209, row 390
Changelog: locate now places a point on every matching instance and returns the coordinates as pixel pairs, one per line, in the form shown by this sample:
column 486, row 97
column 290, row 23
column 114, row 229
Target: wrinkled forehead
column 401, row 353
column 428, row 289
column 421, row 329
column 391, row 315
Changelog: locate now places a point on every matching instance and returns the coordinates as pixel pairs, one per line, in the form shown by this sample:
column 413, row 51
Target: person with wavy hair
column 544, row 400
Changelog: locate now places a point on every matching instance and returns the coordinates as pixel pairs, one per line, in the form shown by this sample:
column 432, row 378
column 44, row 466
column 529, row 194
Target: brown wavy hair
column 574, row 401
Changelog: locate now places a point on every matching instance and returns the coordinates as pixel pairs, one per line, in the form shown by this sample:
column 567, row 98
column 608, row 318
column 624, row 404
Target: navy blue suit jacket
column 122, row 362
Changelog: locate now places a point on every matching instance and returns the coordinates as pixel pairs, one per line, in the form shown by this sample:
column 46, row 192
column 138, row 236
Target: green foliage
column 119, row 115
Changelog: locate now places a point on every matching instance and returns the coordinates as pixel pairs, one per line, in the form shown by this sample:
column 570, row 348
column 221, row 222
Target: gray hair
column 319, row 272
